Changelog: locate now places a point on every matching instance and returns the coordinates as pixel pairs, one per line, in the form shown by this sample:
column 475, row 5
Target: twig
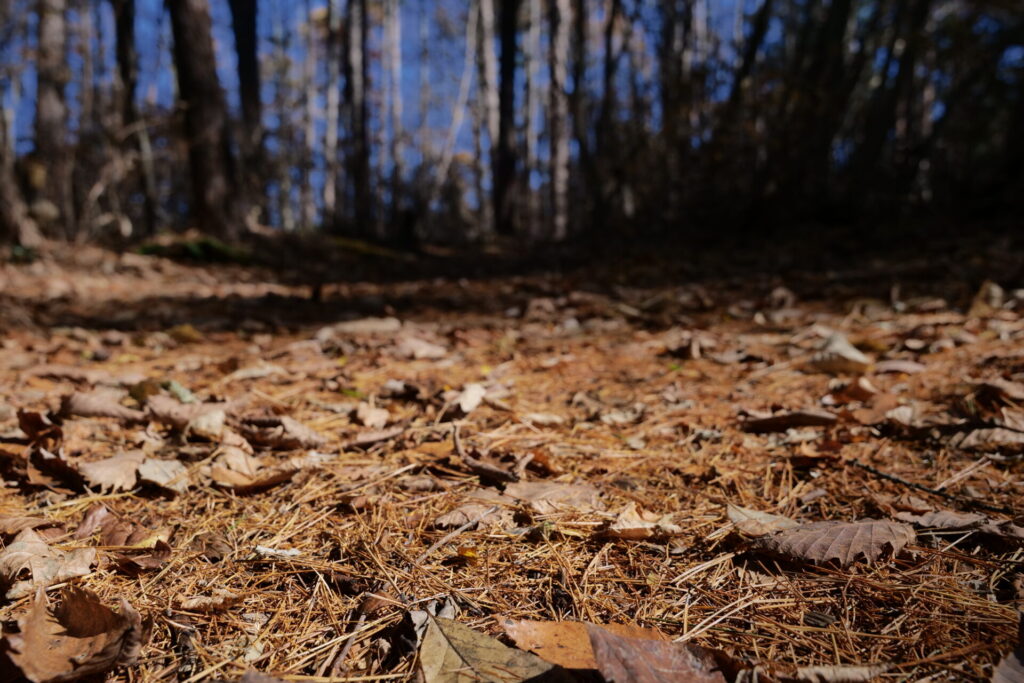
column 935, row 492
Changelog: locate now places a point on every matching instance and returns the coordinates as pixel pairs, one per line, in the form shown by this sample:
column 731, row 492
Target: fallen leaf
column 633, row 524
column 12, row 526
column 419, row 349
column 470, row 397
column 102, row 403
column 838, row 356
column 1011, row 668
column 844, row 542
column 477, row 506
column 363, row 326
column 548, row 497
column 167, row 474
column 543, row 419
column 205, row 420
column 622, row 659
column 219, row 600
column 898, row 366
column 137, row 562
column 28, row 563
column 282, row 432
column 453, row 653
column 567, row 643
column 780, row 422
column 117, row 473
column 371, row 416
column 838, row 674
column 74, row 639
column 757, row 523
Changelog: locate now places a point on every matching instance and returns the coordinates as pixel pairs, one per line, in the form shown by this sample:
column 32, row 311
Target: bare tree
column 558, row 112
column 51, row 110
column 504, row 156
column 394, row 51
column 306, row 202
column 243, row 24
column 216, row 205
column 533, row 60
column 356, row 83
column 333, row 89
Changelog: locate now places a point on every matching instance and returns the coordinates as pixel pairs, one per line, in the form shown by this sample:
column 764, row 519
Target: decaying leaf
column 281, row 432
column 371, row 416
column 843, row 542
column 780, row 422
column 470, row 397
column 100, row 403
column 142, row 560
column 73, row 639
column 633, row 524
column 419, row 349
column 29, row 563
column 117, row 473
column 218, row 600
column 478, row 506
column 453, row 653
column 548, row 497
column 205, row 420
column 842, row 673
column 757, row 523
column 1011, row 668
column 167, row 474
column 567, row 643
column 838, row 356
column 623, row 659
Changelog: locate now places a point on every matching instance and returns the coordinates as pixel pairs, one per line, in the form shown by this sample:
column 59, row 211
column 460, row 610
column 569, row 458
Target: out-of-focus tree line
column 545, row 119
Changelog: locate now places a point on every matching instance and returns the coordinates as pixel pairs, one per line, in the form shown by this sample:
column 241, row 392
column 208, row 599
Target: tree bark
column 356, row 83
column 505, row 159
column 51, row 109
column 216, row 205
column 333, row 88
column 243, row 25
column 558, row 17
column 533, row 61
column 394, row 37
column 16, row 225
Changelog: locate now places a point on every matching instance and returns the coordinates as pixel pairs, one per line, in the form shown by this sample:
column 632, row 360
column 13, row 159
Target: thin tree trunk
column 16, row 225
column 505, row 159
column 397, row 129
column 488, row 103
column 533, row 61
column 307, row 205
column 356, row 83
column 216, row 205
column 559, row 15
column 243, row 25
column 51, row 110
column 331, row 181
column 459, row 111
column 86, row 115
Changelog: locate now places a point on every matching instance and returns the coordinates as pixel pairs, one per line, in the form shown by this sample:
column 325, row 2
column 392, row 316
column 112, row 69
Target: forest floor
column 812, row 469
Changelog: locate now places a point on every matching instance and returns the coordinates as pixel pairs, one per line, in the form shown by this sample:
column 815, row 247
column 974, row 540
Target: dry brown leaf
column 567, row 643
column 453, row 653
column 12, row 526
column 548, row 497
column 757, row 523
column 284, row 433
column 171, row 475
column 780, row 422
column 205, row 420
column 838, row 356
column 219, row 600
column 477, row 507
column 371, row 416
column 97, row 518
column 1011, row 668
column 633, row 524
column 100, row 403
column 76, row 638
column 944, row 519
column 419, row 349
column 29, row 563
column 137, row 562
column 898, row 366
column 843, row 542
column 117, row 473
column 622, row 659
column 843, row 673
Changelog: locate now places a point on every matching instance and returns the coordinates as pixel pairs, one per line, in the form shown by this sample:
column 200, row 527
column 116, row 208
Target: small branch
column 935, row 492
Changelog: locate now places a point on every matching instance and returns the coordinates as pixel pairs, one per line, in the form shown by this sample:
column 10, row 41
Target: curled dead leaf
column 842, row 542
column 29, row 563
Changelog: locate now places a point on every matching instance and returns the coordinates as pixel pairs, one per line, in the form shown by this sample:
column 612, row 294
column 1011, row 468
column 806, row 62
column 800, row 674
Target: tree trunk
column 505, row 158
column 243, row 25
column 533, row 61
column 51, row 110
column 488, row 104
column 394, row 37
column 356, row 83
column 558, row 17
column 307, row 204
column 16, row 225
column 331, row 214
column 216, row 206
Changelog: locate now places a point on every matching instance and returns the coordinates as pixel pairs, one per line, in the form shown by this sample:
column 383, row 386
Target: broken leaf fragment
column 454, row 653
column 838, row 356
column 75, row 638
column 117, row 473
column 567, row 643
column 757, row 523
column 623, row 659
column 634, row 524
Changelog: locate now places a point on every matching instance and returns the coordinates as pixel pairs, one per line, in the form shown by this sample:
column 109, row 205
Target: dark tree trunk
column 243, row 24
column 356, row 79
column 216, row 206
column 505, row 159
column 51, row 110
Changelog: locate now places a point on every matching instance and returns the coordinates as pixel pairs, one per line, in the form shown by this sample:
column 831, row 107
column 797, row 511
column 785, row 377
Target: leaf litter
column 250, row 485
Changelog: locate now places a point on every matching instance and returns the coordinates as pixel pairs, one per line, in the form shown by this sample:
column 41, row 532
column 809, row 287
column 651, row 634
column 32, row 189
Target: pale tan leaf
column 371, row 416
column 218, row 600
column 757, row 523
column 100, row 403
column 634, row 524
column 117, row 473
column 453, row 653
column 843, row 542
column 838, row 356
column 29, row 563
column 548, row 497
column 839, row 673
column 281, row 432
column 167, row 474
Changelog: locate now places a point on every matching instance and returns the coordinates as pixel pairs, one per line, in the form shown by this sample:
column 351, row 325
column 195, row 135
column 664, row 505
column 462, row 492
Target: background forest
column 544, row 119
